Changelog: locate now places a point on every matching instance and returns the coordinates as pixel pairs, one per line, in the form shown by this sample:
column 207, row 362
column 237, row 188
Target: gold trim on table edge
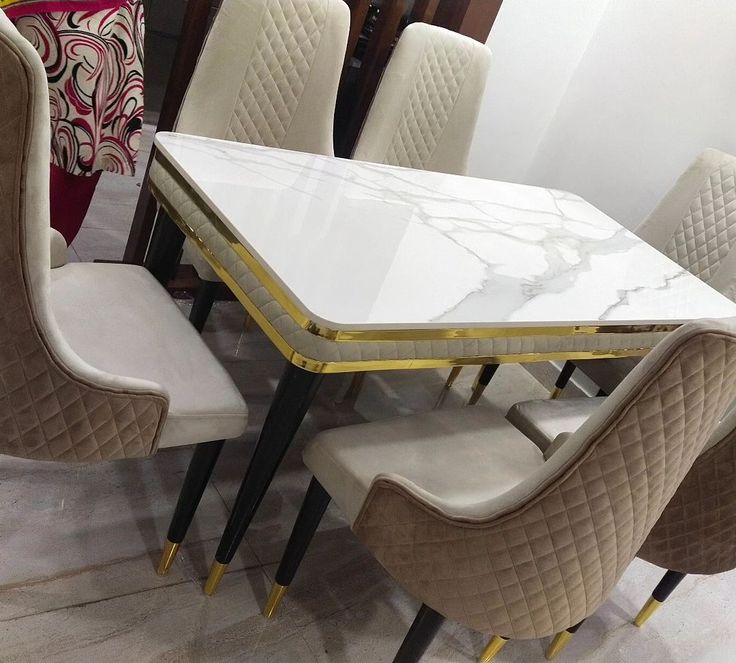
column 316, row 366
column 379, row 335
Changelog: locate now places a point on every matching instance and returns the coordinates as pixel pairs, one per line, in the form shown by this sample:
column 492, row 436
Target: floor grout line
column 80, row 604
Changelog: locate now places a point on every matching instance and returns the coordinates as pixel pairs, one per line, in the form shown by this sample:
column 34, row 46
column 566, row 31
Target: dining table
column 350, row 266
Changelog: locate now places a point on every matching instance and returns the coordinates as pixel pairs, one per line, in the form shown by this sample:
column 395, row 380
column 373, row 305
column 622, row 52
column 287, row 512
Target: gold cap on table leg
column 650, row 607
column 559, row 642
column 217, row 570
column 555, row 393
column 167, row 557
column 496, row 644
column 274, row 598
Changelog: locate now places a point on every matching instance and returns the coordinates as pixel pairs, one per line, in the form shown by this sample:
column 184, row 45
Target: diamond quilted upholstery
column 696, row 533
column 424, row 112
column 436, row 88
column 275, row 79
column 707, row 232
column 52, row 406
column 547, row 555
column 180, row 202
column 268, row 75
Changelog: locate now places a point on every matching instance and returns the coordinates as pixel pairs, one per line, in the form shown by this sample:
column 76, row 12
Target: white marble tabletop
column 360, row 246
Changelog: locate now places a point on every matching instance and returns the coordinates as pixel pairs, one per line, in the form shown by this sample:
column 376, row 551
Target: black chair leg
column 198, row 474
column 665, row 587
column 420, row 635
column 313, row 508
column 165, row 248
column 485, row 375
column 562, row 379
column 203, row 301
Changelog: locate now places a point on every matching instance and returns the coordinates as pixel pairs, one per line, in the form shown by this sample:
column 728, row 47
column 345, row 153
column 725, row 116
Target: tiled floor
column 79, row 545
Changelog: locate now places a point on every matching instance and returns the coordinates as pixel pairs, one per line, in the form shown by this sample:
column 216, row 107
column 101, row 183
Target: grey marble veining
column 417, row 249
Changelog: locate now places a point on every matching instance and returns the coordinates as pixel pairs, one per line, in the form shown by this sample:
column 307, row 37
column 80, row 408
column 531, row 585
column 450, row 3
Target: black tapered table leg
column 294, row 394
column 163, row 252
column 198, row 474
column 313, row 508
column 420, row 635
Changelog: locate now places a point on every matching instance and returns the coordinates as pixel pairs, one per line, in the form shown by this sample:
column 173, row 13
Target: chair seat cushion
column 543, row 420
column 461, row 456
column 119, row 319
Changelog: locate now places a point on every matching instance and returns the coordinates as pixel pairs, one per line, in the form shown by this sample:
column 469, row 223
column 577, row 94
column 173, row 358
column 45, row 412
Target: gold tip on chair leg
column 555, row 393
column 650, row 607
column 274, row 599
column 496, row 644
column 559, row 642
column 167, row 557
column 213, row 579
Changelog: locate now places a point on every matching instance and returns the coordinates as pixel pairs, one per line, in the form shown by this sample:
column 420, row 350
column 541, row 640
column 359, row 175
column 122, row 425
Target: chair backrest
column 695, row 223
column 53, row 406
column 545, row 555
column 696, row 532
column 268, row 74
column 425, row 110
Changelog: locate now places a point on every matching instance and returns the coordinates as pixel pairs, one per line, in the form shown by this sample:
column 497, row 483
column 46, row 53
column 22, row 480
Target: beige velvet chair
column 696, row 533
column 466, row 514
column 267, row 75
column 694, row 225
column 97, row 362
column 426, row 107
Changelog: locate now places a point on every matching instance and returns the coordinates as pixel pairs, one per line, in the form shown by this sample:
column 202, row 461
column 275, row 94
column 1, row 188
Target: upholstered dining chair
column 267, row 75
column 694, row 225
column 97, row 362
column 696, row 533
column 466, row 514
column 426, row 107
column 424, row 113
